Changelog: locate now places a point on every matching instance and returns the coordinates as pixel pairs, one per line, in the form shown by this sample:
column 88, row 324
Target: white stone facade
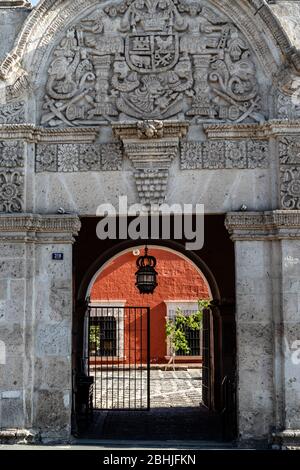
column 177, row 102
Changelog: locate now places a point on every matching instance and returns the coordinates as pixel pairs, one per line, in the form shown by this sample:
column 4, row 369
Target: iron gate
column 119, row 357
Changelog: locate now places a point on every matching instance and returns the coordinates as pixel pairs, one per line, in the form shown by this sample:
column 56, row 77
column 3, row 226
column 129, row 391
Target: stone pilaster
column 35, row 326
column 267, row 247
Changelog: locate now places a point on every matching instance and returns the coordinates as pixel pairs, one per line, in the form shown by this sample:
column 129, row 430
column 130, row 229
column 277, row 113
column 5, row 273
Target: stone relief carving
column 13, row 113
column 152, row 60
column 214, row 155
column 70, row 158
column 11, row 154
column 11, row 190
column 11, row 176
column 150, row 129
column 289, row 155
column 151, row 147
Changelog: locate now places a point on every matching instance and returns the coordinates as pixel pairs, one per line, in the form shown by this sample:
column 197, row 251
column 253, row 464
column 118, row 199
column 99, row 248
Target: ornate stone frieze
column 212, row 155
column 152, row 60
column 71, row 158
column 13, row 113
column 11, row 154
column 289, row 155
column 273, row 225
column 151, row 146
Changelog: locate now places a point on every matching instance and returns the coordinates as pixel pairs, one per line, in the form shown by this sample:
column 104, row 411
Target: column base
column 19, row 436
column 286, row 440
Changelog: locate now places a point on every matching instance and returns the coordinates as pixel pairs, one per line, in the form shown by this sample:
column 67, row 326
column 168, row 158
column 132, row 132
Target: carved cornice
column 272, row 128
column 35, row 226
column 271, row 225
column 34, row 134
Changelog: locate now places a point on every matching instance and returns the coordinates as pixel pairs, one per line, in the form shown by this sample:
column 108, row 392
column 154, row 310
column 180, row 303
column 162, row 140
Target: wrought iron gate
column 119, row 357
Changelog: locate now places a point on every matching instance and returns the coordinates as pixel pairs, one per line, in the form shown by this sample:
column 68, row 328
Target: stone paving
column 128, row 389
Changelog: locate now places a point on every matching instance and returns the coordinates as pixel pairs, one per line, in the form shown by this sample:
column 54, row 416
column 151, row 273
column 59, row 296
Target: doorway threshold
column 106, row 444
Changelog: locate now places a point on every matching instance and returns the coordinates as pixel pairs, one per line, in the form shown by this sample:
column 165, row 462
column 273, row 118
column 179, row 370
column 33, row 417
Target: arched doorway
column 97, row 284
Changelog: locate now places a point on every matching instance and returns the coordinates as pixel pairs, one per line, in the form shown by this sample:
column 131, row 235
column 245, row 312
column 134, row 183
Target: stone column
column 267, row 317
column 35, row 327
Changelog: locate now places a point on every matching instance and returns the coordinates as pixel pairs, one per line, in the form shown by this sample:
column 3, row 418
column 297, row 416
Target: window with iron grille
column 194, row 337
column 105, row 329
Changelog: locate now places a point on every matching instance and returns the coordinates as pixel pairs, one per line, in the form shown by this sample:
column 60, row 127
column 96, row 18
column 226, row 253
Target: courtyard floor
column 128, row 389
column 175, row 411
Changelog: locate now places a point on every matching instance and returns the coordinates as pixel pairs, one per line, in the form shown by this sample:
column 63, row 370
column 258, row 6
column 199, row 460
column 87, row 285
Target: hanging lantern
column 146, row 274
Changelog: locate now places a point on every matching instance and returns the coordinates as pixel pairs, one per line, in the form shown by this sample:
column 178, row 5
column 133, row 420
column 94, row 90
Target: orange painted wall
column 178, row 279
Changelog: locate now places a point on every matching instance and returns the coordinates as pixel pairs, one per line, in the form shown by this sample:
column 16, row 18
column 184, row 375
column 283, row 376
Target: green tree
column 94, row 338
column 176, row 328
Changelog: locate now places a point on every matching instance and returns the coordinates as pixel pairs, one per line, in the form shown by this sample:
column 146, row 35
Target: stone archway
column 220, row 360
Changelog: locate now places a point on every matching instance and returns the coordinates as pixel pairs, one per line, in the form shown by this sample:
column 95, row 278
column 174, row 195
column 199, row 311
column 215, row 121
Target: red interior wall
column 178, row 279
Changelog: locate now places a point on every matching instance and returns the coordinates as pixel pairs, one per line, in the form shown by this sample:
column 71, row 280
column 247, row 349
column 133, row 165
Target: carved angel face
column 120, row 67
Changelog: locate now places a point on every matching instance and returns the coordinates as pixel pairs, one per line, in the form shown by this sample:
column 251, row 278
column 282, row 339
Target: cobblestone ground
column 128, row 389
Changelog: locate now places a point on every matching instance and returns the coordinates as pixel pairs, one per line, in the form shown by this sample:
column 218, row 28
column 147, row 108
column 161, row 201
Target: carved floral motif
column 229, row 154
column 71, row 158
column 170, row 57
column 11, row 176
column 191, row 155
column 11, row 154
column 11, row 191
column 13, row 113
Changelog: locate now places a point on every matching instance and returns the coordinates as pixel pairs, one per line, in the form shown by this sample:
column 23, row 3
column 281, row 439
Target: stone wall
column 195, row 105
column 35, row 326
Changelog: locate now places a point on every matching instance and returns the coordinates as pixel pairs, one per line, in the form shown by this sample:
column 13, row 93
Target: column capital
column 269, row 225
column 39, row 228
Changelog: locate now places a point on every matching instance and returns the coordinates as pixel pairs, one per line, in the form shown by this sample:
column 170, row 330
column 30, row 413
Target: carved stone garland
column 168, row 58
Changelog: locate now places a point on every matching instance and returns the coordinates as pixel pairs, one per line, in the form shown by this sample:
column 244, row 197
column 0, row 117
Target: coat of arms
column 152, row 52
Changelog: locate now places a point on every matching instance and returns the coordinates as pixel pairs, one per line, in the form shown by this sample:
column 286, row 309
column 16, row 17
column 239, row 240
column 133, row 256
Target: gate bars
column 119, row 357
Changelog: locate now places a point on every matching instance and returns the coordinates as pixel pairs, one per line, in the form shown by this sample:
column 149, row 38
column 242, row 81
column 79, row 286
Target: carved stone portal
column 152, row 59
column 152, row 157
